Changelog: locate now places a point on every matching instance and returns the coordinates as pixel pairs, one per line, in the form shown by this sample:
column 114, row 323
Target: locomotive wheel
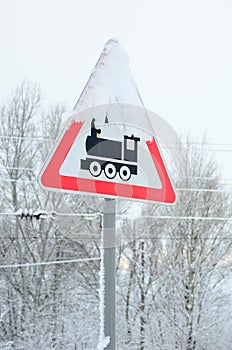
column 95, row 168
column 110, row 171
column 125, row 173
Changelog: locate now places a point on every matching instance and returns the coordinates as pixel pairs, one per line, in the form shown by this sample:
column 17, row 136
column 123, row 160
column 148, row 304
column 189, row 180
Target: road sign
column 107, row 147
column 104, row 159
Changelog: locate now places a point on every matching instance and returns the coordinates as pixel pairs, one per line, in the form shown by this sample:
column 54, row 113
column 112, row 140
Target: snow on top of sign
column 111, row 80
column 111, row 84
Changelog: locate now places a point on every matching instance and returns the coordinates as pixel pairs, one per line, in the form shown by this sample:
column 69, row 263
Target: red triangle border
column 50, row 177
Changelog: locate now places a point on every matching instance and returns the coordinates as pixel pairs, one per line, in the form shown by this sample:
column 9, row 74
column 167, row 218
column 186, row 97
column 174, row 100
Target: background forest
column 174, row 275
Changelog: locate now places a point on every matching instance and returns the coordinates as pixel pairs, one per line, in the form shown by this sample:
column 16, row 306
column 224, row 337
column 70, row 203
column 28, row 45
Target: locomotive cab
column 131, row 148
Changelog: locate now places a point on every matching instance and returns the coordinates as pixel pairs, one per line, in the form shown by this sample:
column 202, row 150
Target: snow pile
column 103, row 343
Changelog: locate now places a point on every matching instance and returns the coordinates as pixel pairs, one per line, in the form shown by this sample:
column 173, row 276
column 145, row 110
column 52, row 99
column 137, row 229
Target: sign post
column 109, row 241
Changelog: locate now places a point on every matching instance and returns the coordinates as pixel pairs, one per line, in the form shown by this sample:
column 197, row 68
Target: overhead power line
column 204, row 147
column 20, row 180
column 48, row 263
column 35, row 138
column 42, row 214
column 17, row 168
column 202, row 190
column 166, row 217
column 42, row 138
column 51, row 215
column 175, row 177
column 226, row 185
column 177, row 189
column 26, row 182
column 2, row 169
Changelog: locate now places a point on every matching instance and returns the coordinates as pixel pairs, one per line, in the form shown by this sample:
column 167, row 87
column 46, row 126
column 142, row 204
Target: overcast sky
column 180, row 54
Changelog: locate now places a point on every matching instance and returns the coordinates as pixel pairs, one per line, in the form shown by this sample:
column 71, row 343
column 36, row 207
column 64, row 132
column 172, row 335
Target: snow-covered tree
column 42, row 306
column 172, row 273
column 171, row 294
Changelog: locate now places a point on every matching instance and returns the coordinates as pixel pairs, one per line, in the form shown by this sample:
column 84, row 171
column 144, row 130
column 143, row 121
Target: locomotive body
column 111, row 156
column 105, row 148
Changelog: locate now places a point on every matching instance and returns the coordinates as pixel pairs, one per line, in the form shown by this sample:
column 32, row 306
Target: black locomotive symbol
column 110, row 156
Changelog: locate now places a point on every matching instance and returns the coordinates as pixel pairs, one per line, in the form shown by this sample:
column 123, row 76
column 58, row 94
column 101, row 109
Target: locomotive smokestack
column 94, row 132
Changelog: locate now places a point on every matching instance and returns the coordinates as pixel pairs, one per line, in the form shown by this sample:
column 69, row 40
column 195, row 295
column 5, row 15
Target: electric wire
column 180, row 189
column 187, row 146
column 48, row 215
column 166, row 217
column 175, row 177
column 2, row 169
column 202, row 190
column 38, row 138
column 123, row 217
column 48, row 263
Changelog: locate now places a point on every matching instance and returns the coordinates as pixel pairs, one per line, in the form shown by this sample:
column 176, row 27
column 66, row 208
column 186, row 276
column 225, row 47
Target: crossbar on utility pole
column 109, row 219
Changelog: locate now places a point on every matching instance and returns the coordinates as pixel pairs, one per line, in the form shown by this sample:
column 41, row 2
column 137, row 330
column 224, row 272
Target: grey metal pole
column 109, row 219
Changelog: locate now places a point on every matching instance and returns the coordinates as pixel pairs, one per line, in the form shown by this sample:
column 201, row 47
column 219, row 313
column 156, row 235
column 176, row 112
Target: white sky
column 180, row 54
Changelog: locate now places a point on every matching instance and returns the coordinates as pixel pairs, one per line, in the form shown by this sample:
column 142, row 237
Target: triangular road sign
column 109, row 149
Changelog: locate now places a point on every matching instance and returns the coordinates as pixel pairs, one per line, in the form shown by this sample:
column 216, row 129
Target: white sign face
column 146, row 175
